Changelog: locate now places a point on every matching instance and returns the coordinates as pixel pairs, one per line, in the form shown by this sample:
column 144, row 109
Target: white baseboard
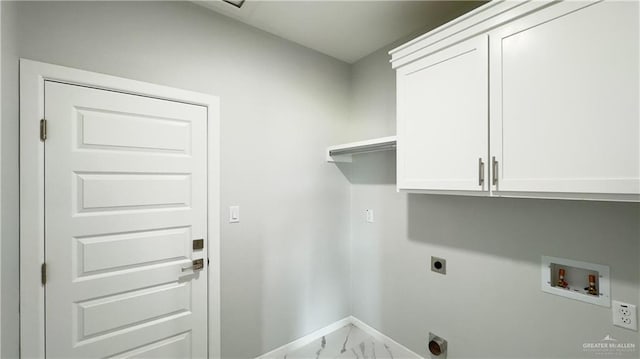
column 408, row 354
column 311, row 337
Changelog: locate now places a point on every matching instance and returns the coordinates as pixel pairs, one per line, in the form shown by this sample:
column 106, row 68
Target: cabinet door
column 442, row 119
column 564, row 102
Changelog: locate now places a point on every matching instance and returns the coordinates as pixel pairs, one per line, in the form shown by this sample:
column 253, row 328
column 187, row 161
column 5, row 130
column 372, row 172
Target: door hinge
column 480, row 172
column 43, row 130
column 43, row 273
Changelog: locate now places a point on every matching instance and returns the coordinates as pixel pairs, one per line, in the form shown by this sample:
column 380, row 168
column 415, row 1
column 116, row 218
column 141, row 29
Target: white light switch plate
column 234, row 214
column 624, row 315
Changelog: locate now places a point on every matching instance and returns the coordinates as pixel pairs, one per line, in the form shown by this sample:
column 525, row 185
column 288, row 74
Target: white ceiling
column 346, row 30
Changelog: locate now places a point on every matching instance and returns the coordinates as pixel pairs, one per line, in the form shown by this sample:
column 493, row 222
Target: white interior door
column 443, row 119
column 125, row 196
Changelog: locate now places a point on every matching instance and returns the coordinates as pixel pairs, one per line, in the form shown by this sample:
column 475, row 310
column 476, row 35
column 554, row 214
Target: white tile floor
column 349, row 342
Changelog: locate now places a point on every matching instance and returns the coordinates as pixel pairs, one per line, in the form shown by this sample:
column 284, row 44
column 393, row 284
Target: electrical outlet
column 234, row 214
column 369, row 215
column 624, row 315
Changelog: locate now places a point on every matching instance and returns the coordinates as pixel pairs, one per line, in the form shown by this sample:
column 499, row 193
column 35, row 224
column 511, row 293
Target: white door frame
column 32, row 301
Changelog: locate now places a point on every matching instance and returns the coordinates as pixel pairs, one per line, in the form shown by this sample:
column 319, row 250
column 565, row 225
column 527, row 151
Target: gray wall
column 284, row 265
column 9, row 187
column 0, row 179
column 489, row 304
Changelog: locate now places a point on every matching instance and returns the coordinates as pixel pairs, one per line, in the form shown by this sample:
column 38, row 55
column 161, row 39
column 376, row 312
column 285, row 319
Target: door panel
column 113, row 252
column 125, row 195
column 174, row 347
column 442, row 119
column 116, row 131
column 124, row 310
column 113, row 192
column 564, row 111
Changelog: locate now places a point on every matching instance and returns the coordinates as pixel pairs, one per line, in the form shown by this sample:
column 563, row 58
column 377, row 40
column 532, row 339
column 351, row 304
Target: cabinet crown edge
column 477, row 21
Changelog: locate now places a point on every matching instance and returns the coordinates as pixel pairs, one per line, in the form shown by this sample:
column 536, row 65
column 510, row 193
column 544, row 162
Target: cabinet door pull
column 480, row 172
column 494, row 171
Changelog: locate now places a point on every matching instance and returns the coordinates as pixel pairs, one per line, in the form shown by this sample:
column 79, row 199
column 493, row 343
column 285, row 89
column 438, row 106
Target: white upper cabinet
column 551, row 108
column 564, row 105
column 443, row 135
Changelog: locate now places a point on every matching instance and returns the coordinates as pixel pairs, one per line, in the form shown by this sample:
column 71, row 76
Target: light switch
column 369, row 215
column 234, row 214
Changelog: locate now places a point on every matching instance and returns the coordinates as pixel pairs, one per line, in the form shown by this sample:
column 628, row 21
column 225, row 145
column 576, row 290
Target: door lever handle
column 197, row 264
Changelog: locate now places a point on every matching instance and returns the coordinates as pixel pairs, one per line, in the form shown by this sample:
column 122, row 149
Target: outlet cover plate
column 234, row 214
column 369, row 215
column 624, row 315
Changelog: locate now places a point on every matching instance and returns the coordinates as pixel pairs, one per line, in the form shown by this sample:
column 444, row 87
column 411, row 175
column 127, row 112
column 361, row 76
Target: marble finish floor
column 349, row 342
